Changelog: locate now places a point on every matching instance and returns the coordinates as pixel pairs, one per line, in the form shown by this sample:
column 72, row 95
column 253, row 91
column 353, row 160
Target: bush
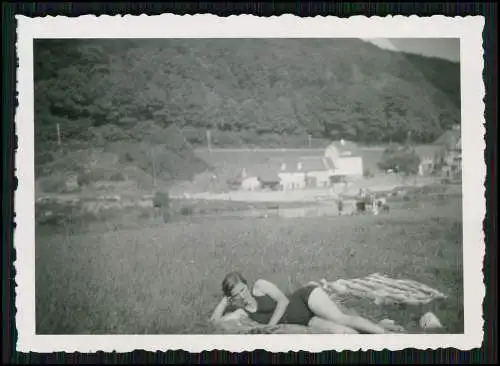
column 55, row 183
column 161, row 199
column 271, row 140
column 100, row 174
column 401, row 160
column 108, row 132
column 196, row 136
column 43, row 157
column 117, row 177
column 367, row 173
column 226, row 139
column 84, row 179
column 165, row 213
column 186, row 211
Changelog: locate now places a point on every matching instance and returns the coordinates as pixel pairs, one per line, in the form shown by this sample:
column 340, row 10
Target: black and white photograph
column 229, row 186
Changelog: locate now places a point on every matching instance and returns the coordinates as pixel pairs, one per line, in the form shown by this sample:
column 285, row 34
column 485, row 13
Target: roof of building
column 314, row 163
column 346, row 148
column 266, row 172
column 450, row 138
column 300, row 164
column 268, row 176
column 428, row 151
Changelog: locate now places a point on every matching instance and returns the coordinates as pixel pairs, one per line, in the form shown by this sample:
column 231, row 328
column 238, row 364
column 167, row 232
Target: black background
column 487, row 354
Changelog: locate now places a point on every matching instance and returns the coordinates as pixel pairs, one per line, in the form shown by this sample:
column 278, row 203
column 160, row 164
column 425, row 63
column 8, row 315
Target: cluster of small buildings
column 341, row 160
column 443, row 157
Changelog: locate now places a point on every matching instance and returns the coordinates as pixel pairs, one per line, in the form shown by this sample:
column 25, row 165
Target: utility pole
column 58, row 129
column 209, row 140
column 408, row 140
column 410, row 146
column 154, row 167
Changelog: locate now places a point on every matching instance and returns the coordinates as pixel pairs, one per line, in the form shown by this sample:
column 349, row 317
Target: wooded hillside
column 134, row 93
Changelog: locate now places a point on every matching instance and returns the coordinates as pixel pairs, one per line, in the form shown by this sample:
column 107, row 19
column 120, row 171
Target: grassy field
column 166, row 280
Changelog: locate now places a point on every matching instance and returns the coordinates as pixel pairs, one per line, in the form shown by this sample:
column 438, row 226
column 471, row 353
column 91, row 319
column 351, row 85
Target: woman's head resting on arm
column 235, row 288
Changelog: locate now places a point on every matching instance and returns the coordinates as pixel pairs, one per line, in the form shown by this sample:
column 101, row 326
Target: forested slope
column 124, row 96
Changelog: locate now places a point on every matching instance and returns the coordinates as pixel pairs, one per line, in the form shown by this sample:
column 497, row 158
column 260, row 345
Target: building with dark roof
column 450, row 139
column 341, row 158
column 444, row 155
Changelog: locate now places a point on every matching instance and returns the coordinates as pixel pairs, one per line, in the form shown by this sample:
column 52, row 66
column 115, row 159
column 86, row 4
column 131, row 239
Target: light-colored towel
column 383, row 290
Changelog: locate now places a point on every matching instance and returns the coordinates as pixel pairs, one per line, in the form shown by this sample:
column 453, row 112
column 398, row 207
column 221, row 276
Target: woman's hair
column 230, row 281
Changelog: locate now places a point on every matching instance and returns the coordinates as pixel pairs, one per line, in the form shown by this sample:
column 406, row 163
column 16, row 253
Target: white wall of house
column 349, row 166
column 426, row 165
column 322, row 177
column 291, row 181
column 452, row 157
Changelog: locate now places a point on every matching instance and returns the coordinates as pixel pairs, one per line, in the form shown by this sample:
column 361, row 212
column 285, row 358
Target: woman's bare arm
column 277, row 295
column 238, row 314
column 219, row 309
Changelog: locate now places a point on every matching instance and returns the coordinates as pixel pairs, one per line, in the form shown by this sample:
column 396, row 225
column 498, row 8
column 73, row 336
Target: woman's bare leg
column 322, row 306
column 329, row 326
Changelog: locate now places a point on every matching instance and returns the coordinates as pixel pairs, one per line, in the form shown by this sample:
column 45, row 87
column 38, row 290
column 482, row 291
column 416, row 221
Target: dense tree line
column 266, row 91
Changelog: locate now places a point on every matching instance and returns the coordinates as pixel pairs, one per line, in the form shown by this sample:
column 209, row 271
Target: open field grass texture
column 166, row 280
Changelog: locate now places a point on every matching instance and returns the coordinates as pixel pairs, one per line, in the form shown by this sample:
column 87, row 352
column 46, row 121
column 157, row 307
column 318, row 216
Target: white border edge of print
column 468, row 29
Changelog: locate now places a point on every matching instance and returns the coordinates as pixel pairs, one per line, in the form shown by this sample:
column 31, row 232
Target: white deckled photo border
column 468, row 29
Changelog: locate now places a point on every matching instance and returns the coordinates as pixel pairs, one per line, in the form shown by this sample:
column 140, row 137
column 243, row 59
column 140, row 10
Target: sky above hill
column 445, row 48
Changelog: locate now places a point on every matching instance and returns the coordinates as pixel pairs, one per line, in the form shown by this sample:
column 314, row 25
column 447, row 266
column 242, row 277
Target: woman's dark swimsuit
column 297, row 311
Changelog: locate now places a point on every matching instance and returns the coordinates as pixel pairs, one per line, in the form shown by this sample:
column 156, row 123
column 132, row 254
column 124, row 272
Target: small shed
column 269, row 179
column 72, row 183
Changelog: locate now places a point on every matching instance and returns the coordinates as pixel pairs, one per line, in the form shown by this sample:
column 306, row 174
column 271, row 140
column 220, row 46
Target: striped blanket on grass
column 383, row 290
column 380, row 289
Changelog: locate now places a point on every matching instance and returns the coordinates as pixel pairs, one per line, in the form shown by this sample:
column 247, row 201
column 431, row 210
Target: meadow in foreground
column 167, row 280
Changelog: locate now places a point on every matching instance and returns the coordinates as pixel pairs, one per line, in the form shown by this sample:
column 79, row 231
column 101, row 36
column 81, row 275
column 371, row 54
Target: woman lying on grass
column 308, row 306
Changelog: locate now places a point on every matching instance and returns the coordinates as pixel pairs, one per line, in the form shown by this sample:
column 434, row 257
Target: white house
column 430, row 156
column 346, row 159
column 349, row 167
column 341, row 159
column 426, row 165
column 451, row 141
column 445, row 153
column 305, row 172
column 292, row 175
